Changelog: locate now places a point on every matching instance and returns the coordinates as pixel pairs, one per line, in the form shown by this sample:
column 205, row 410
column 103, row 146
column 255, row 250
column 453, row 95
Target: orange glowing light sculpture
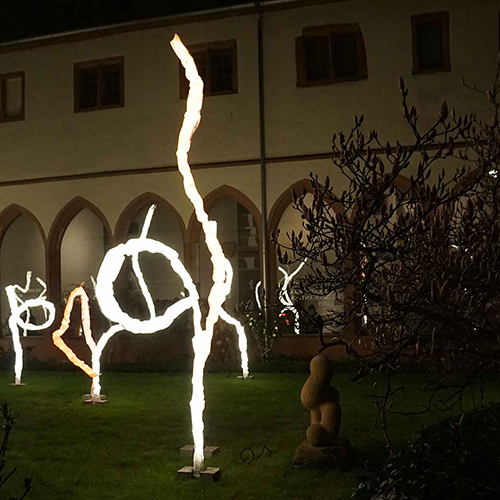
column 95, row 348
column 222, row 271
column 18, row 307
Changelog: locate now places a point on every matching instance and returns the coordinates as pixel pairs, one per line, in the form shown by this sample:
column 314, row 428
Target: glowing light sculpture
column 222, row 271
column 108, row 272
column 18, row 307
column 284, row 296
column 95, row 348
column 257, row 295
column 110, row 268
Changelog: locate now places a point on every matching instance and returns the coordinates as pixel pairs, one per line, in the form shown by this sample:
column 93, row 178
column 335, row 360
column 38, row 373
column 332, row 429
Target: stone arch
column 135, row 206
column 210, row 200
column 275, row 215
column 10, row 214
column 54, row 240
column 402, row 183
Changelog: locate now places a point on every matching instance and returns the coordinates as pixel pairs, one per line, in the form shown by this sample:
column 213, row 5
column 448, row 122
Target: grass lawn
column 128, row 449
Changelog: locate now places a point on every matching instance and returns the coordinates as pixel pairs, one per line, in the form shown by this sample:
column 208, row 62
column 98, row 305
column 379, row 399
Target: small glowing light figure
column 18, row 307
column 285, row 297
column 222, row 271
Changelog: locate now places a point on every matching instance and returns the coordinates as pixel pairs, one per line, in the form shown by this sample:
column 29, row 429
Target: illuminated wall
column 82, row 250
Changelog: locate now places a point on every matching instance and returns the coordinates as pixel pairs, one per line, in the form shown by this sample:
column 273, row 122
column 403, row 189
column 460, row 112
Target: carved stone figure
column 323, row 442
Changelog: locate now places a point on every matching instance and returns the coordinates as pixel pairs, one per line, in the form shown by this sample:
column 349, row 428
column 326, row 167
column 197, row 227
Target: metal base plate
column 19, row 385
column 87, row 399
column 243, row 378
column 210, row 474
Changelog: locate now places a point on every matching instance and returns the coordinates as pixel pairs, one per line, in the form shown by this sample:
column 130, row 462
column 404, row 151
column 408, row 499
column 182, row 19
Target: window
column 216, row 63
column 431, row 43
column 12, row 97
column 330, row 54
column 99, row 85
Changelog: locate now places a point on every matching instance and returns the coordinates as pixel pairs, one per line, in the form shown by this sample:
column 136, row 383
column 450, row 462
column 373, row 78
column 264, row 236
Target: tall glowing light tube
column 222, row 270
column 284, row 296
column 18, row 307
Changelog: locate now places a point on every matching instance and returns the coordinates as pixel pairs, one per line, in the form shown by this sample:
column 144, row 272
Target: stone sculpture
column 323, row 443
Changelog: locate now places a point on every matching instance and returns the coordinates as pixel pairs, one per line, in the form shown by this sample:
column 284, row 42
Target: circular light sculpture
column 110, row 268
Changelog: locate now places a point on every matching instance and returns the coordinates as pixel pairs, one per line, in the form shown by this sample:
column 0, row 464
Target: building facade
column 89, row 122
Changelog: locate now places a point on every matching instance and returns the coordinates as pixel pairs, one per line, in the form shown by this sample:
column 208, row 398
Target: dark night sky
column 26, row 18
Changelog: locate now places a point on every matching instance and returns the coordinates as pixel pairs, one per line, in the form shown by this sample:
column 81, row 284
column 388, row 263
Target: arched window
column 164, row 285
column 22, row 250
column 83, row 246
column 284, row 219
column 78, row 239
column 239, row 231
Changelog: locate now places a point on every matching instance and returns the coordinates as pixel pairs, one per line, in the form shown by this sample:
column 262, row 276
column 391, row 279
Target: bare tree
column 411, row 249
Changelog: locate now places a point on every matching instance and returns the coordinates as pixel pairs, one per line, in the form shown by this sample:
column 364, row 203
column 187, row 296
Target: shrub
column 5, row 475
column 445, row 461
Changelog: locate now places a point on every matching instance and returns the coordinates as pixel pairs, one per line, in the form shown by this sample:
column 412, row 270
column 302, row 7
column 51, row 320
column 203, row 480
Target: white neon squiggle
column 285, row 297
column 257, row 295
column 18, row 307
column 222, row 270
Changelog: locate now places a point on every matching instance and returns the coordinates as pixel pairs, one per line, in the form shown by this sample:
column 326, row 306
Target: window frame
column 206, row 48
column 3, row 96
column 98, row 64
column 329, row 31
column 433, row 17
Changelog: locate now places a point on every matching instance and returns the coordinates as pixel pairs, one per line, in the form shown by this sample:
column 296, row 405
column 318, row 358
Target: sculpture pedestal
column 307, row 454
column 90, row 400
column 210, row 474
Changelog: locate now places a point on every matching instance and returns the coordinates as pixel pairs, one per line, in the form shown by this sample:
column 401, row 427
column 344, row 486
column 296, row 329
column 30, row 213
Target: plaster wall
column 106, row 145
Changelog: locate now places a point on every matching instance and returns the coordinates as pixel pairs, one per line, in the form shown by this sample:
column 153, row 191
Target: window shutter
column 300, row 61
column 14, row 95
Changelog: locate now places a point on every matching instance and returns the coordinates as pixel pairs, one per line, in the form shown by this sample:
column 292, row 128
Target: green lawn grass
column 128, row 449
